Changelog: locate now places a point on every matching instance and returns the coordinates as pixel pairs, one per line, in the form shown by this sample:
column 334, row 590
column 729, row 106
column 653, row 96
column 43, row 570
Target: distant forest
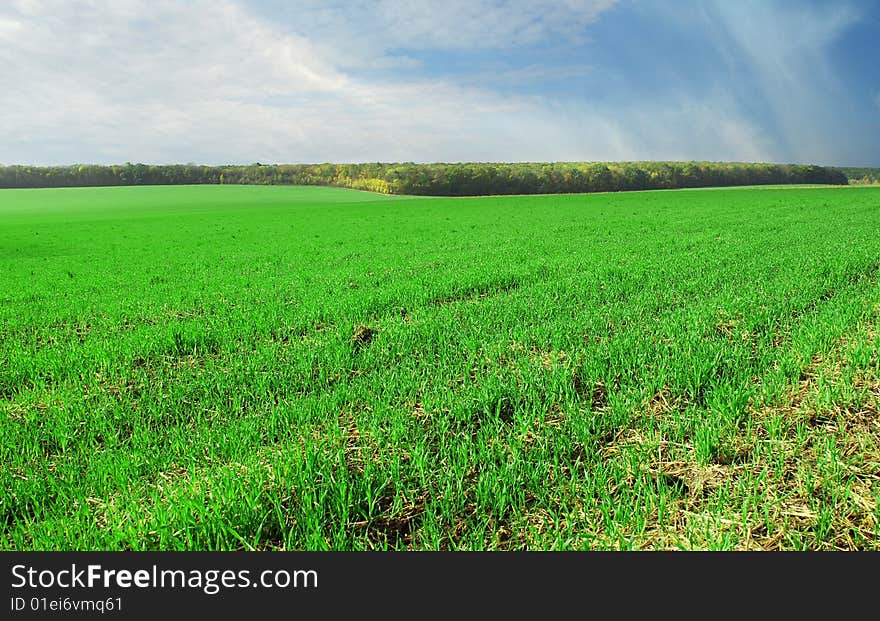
column 862, row 176
column 473, row 179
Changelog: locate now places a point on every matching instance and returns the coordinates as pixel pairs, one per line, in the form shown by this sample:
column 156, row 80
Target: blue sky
column 237, row 81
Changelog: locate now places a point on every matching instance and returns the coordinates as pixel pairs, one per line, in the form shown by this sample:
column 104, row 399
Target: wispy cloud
column 237, row 81
column 786, row 53
column 357, row 32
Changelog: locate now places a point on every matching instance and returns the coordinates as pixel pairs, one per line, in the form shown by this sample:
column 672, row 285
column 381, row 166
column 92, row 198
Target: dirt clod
column 363, row 335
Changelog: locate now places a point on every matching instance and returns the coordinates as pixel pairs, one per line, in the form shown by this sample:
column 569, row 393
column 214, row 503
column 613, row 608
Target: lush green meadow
column 237, row 367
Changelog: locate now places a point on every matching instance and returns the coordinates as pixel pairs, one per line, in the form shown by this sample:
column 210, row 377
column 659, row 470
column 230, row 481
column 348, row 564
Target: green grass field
column 235, row 367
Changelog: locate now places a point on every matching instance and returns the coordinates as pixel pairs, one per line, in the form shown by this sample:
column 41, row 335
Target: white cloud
column 164, row 81
column 213, row 81
column 160, row 80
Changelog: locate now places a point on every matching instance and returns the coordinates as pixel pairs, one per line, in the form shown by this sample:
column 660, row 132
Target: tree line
column 862, row 176
column 469, row 179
